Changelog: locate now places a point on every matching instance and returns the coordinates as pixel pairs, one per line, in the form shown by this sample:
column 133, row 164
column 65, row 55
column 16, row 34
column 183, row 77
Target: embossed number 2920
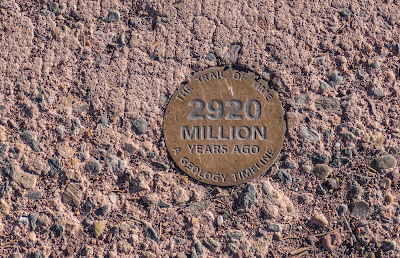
column 215, row 107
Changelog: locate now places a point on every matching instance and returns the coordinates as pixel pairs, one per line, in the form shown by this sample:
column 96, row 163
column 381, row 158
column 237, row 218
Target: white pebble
column 220, row 220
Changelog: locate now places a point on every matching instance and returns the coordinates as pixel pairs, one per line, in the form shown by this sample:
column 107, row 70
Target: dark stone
column 346, row 13
column 285, row 176
column 93, row 165
column 37, row 254
column 151, row 233
column 35, row 195
column 388, row 246
column 311, row 240
column 112, row 16
column 140, row 126
column 75, row 124
column 102, row 211
column 162, row 204
column 342, row 209
column 3, row 149
column 335, row 79
column 159, row 166
column 58, row 230
column 197, row 247
column 8, row 171
column 302, row 198
column 4, row 190
column 250, row 196
column 55, row 166
column 87, row 207
column 273, row 228
column 320, row 159
column 360, row 209
column 33, row 219
column 27, row 138
column 384, row 162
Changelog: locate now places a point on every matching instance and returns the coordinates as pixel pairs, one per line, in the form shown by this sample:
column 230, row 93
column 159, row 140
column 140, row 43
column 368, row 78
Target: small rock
column 378, row 93
column 61, row 131
column 93, row 166
column 335, row 79
column 23, row 221
column 273, row 227
column 311, row 240
column 113, row 198
column 102, row 211
column 308, row 133
column 55, row 166
column 322, row 171
column 342, row 209
column 197, row 247
column 124, row 247
column 384, row 162
column 112, row 16
column 180, row 196
column 388, row 246
column 72, row 195
column 346, row 13
column 159, row 166
column 33, row 218
column 28, row 181
column 211, row 244
column 250, row 196
column 210, row 57
column 73, row 174
column 58, row 230
column 43, row 221
column 360, row 209
column 235, row 234
column 330, row 183
column 131, row 148
column 37, row 254
column 180, row 241
column 34, row 195
column 388, row 199
column 220, row 220
column 385, row 183
column 151, row 233
column 122, row 39
column 28, row 139
column 332, row 241
column 140, row 126
column 320, row 220
column 231, row 57
column 292, row 120
column 285, row 176
column 99, row 227
column 323, row 86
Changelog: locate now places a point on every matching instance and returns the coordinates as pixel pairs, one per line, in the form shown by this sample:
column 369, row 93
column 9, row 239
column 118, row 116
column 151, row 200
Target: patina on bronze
column 224, row 127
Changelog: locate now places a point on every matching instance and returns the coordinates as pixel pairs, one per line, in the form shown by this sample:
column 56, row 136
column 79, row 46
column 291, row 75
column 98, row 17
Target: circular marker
column 224, row 127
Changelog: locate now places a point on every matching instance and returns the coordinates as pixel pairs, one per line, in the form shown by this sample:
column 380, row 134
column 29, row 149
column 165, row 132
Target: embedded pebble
column 331, row 241
column 308, row 133
column 112, row 16
column 34, row 195
column 99, row 227
column 60, row 129
column 28, row 181
column 140, row 126
column 388, row 246
column 235, row 234
column 273, row 227
column 231, row 57
column 285, row 176
column 28, row 139
column 93, row 166
column 342, row 209
column 385, row 183
column 211, row 244
column 250, row 195
column 335, row 79
column 360, row 209
column 384, row 162
column 322, row 171
column 149, row 232
column 124, row 247
column 320, row 220
column 180, row 196
column 220, row 220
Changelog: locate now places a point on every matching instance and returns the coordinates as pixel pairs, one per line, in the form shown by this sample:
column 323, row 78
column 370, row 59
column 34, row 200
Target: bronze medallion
column 224, row 127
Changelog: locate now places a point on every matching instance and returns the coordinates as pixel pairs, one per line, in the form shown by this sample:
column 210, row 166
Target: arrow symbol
column 177, row 150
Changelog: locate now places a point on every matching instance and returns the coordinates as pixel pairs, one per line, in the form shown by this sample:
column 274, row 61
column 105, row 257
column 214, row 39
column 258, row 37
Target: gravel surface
column 84, row 168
